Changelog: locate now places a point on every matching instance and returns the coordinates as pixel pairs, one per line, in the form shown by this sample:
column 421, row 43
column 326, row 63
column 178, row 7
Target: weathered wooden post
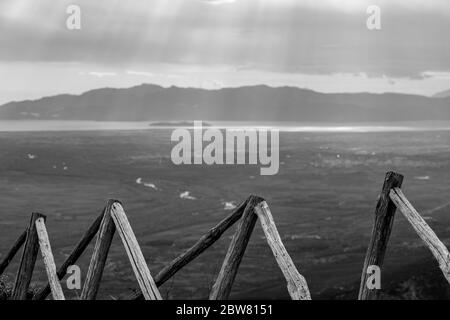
column 49, row 262
column 143, row 276
column 384, row 218
column 437, row 248
column 25, row 272
column 12, row 252
column 224, row 282
column 99, row 256
column 297, row 285
column 73, row 257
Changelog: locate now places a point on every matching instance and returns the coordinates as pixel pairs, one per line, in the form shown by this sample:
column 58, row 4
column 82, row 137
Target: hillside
column 151, row 102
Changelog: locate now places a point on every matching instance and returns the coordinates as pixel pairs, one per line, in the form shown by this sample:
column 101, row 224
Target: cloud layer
column 266, row 34
column 294, row 37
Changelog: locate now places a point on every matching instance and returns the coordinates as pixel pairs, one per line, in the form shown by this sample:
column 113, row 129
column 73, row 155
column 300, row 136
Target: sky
column 320, row 45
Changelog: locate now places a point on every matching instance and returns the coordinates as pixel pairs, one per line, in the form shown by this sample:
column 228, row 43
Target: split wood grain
column 297, row 285
column 98, row 260
column 140, row 268
column 384, row 219
column 49, row 262
column 26, row 267
column 222, row 287
column 74, row 255
column 437, row 248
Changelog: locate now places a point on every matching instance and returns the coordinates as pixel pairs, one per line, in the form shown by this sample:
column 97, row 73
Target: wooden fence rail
column 424, row 231
column 98, row 260
column 74, row 256
column 35, row 238
column 12, row 252
column 30, row 251
column 247, row 212
column 198, row 248
column 115, row 218
column 297, row 286
column 222, row 287
column 49, row 262
column 143, row 276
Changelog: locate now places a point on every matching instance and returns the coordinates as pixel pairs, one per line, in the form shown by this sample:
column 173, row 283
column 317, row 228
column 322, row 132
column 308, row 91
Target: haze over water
column 76, row 125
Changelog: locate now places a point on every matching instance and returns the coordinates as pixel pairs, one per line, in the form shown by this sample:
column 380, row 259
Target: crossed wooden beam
column 35, row 237
column 390, row 199
column 114, row 218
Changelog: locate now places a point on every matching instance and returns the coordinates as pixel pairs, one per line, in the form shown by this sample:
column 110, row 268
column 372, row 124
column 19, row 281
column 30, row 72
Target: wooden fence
column 113, row 218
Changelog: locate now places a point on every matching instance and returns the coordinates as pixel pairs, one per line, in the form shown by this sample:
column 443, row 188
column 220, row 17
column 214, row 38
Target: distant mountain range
column 443, row 94
column 154, row 103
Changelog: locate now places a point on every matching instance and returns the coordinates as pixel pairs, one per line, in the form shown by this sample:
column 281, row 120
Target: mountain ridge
column 149, row 102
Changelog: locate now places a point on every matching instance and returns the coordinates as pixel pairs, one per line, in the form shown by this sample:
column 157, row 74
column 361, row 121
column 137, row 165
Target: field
column 322, row 200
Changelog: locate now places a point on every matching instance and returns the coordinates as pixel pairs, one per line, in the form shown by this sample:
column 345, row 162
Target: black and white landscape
column 88, row 105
